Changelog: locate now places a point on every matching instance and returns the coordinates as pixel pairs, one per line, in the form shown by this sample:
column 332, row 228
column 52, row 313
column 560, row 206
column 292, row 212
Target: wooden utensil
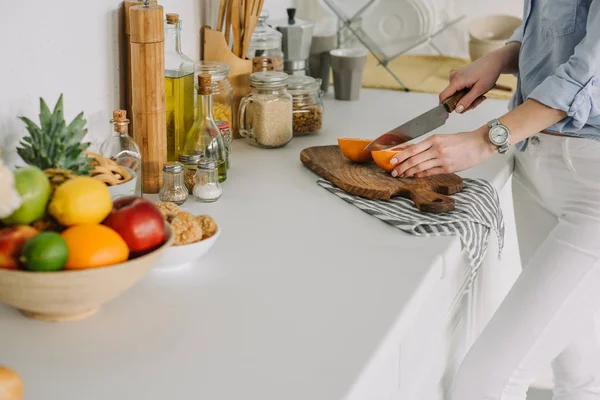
column 248, row 4
column 236, row 28
column 228, row 20
column 251, row 23
column 368, row 180
column 222, row 10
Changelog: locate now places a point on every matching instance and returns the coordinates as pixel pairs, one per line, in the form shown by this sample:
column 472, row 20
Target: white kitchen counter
column 292, row 303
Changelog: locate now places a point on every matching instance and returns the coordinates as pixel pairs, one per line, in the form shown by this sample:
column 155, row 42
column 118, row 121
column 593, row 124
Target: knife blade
column 418, row 126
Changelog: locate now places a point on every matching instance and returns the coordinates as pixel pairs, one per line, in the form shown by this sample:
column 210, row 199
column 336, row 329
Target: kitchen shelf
column 352, row 24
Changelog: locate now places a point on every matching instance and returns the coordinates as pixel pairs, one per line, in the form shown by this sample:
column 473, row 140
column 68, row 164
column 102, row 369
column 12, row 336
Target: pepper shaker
column 173, row 189
column 207, row 188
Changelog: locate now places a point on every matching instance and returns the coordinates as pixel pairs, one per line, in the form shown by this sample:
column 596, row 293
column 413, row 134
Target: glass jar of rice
column 222, row 89
column 265, row 115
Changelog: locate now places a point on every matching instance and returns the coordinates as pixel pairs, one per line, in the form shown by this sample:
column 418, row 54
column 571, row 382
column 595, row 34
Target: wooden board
column 368, row 180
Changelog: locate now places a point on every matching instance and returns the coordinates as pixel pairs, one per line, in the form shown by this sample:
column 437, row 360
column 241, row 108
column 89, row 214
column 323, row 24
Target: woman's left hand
column 443, row 154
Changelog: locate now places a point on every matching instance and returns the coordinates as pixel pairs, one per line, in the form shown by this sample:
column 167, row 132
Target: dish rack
column 353, row 25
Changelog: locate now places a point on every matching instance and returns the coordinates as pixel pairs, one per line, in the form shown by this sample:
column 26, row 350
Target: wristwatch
column 499, row 135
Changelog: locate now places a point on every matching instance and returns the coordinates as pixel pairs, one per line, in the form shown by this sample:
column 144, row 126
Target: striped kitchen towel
column 477, row 212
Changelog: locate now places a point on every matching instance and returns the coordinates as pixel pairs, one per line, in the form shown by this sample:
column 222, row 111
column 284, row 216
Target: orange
column 92, row 246
column 383, row 157
column 354, row 149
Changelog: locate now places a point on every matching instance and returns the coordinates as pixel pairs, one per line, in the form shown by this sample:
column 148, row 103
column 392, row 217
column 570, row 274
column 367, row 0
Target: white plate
column 178, row 257
column 393, row 21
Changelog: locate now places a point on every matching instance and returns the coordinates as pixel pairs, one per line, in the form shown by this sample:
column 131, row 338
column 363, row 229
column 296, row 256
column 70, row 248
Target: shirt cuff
column 576, row 100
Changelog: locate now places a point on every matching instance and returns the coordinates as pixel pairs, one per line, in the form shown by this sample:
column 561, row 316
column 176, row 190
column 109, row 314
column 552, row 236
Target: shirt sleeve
column 574, row 87
column 517, row 35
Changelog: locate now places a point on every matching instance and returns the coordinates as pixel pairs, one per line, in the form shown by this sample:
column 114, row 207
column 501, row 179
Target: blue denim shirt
column 559, row 62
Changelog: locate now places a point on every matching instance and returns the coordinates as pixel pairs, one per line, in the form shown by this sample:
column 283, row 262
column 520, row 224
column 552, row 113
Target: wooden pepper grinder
column 127, row 4
column 148, row 90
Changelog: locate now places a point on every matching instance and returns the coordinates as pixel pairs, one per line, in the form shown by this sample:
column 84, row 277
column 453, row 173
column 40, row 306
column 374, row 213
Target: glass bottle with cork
column 179, row 88
column 204, row 137
column 124, row 151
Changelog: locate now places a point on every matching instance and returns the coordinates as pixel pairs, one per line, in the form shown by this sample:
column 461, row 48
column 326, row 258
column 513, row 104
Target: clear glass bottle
column 204, row 137
column 222, row 89
column 307, row 104
column 179, row 88
column 265, row 48
column 124, row 151
column 265, row 115
column 173, row 189
column 207, row 188
column 190, row 164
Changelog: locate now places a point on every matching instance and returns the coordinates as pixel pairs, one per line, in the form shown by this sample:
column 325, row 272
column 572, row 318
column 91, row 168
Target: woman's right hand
column 480, row 76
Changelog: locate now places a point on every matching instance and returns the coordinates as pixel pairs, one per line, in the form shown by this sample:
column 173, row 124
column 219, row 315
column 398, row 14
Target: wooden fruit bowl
column 71, row 295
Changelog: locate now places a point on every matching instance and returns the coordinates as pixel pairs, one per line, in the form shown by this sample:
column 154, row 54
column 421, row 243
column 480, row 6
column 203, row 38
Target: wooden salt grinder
column 127, row 4
column 148, row 91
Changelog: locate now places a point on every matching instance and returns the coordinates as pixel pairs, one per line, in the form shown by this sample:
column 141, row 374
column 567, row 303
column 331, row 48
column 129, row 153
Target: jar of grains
column 265, row 47
column 222, row 90
column 265, row 115
column 190, row 164
column 307, row 104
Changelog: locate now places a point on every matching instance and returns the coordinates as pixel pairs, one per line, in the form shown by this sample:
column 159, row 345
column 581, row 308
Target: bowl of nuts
column 194, row 235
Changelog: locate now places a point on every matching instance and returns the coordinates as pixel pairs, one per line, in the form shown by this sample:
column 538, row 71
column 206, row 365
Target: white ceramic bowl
column 493, row 28
column 124, row 189
column 178, row 257
column 480, row 49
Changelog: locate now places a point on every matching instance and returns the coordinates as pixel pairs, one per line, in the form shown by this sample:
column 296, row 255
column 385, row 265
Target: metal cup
column 348, row 66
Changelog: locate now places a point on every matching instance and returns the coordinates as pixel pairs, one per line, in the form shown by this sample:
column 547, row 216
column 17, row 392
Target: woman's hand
column 443, row 154
column 480, row 76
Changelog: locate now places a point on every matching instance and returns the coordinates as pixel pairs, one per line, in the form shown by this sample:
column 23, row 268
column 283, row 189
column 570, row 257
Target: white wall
column 72, row 47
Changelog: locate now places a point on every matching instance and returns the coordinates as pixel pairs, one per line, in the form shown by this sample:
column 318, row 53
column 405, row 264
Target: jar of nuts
column 265, row 48
column 222, row 89
column 307, row 104
column 190, row 163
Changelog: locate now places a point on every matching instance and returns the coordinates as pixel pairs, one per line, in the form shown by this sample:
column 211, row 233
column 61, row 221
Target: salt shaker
column 173, row 189
column 207, row 188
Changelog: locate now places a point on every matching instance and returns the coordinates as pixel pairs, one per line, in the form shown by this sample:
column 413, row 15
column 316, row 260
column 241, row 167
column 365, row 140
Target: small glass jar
column 173, row 189
column 190, row 164
column 222, row 90
column 307, row 104
column 265, row 48
column 265, row 115
column 207, row 188
column 225, row 130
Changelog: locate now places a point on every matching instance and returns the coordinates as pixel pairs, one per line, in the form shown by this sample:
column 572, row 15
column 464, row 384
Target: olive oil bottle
column 204, row 137
column 179, row 88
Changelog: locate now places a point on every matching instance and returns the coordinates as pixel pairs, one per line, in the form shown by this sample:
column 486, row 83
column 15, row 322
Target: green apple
column 34, row 188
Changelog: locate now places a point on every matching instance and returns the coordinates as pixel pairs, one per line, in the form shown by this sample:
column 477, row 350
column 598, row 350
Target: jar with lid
column 222, row 91
column 225, row 130
column 265, row 115
column 207, row 188
column 173, row 189
column 265, row 47
column 190, row 164
column 307, row 104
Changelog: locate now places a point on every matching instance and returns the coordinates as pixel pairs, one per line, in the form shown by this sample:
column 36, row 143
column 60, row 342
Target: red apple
column 139, row 223
column 12, row 241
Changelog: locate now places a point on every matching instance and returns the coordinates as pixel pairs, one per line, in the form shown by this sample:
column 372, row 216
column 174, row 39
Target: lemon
column 82, row 200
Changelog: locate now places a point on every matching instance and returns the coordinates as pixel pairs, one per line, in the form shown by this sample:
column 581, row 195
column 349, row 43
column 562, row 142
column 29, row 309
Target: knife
column 418, row 126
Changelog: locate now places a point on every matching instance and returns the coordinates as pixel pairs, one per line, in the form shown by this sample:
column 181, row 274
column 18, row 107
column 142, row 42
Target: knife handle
column 452, row 101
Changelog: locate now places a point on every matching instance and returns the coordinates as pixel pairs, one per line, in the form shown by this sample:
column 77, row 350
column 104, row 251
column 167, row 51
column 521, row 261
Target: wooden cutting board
column 369, row 181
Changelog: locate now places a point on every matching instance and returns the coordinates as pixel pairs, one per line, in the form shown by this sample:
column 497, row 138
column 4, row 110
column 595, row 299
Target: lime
column 46, row 251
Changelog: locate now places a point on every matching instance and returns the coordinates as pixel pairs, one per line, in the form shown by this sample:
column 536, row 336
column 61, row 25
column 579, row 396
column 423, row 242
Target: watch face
column 498, row 135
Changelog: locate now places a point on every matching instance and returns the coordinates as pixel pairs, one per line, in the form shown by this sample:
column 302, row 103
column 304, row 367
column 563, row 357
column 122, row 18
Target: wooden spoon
column 228, row 20
column 251, row 24
column 247, row 29
column 236, row 27
column 221, row 20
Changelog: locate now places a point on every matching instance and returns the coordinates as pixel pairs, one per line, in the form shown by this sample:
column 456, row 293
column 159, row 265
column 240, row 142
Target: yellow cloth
column 424, row 73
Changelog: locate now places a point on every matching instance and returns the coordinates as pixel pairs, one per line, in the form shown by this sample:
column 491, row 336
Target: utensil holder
column 215, row 48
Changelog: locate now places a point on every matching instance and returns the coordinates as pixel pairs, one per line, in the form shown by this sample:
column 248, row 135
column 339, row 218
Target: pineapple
column 55, row 147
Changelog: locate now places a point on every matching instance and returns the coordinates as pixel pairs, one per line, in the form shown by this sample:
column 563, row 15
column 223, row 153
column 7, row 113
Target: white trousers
column 548, row 315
